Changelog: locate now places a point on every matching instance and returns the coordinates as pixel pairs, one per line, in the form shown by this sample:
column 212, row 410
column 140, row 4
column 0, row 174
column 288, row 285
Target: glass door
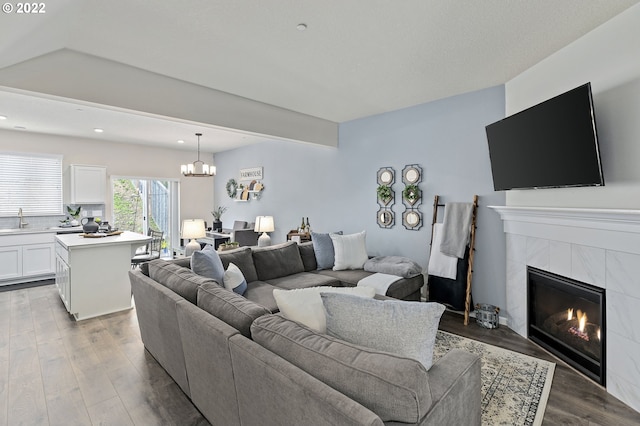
column 140, row 204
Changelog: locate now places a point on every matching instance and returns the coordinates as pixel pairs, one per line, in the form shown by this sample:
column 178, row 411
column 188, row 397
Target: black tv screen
column 550, row 145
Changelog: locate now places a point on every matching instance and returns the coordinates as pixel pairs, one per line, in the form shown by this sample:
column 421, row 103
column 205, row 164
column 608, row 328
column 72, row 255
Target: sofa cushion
column 182, row 281
column 350, row 251
column 229, row 307
column 261, row 293
column 303, row 280
column 323, row 248
column 207, row 263
column 308, row 256
column 305, row 305
column 185, row 262
column 404, row 328
column 242, row 258
column 277, row 261
column 347, row 278
column 394, row 387
column 234, row 280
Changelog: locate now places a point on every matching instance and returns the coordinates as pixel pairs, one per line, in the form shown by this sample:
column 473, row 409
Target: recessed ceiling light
column 3, row 117
column 180, row 141
column 20, row 127
column 301, row 26
column 98, row 130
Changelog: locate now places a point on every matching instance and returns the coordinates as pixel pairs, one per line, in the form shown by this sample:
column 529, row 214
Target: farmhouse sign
column 254, row 173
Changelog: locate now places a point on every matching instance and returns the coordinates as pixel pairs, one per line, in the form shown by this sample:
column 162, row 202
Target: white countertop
column 73, row 241
column 51, row 229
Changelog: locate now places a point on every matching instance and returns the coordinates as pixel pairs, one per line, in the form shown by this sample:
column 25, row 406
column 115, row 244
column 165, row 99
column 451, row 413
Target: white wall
column 196, row 194
column 608, row 57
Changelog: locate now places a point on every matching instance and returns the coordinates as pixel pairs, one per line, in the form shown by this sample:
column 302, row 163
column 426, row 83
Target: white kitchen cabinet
column 85, row 184
column 63, row 276
column 38, row 259
column 26, row 256
column 10, row 263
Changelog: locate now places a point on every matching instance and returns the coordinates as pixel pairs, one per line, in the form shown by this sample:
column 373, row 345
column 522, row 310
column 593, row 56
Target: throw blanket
column 393, row 265
column 379, row 282
column 457, row 227
column 441, row 265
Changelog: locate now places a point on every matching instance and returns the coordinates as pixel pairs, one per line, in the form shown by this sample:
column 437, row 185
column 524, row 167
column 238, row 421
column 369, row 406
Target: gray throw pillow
column 323, row 248
column 207, row 263
column 400, row 327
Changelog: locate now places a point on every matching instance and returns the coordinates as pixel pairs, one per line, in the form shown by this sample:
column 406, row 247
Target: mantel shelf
column 607, row 219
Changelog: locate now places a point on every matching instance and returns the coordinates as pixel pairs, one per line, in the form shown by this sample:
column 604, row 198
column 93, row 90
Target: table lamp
column 264, row 224
column 192, row 229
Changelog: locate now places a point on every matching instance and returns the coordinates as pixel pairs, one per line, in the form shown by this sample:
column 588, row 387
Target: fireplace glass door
column 567, row 317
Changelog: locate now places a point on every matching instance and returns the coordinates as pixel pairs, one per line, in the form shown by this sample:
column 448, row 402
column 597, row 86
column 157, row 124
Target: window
column 31, row 182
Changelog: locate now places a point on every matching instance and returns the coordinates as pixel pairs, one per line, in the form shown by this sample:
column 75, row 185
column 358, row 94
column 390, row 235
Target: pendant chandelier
column 198, row 168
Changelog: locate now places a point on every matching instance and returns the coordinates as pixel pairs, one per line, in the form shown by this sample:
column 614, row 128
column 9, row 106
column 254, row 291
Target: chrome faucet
column 22, row 223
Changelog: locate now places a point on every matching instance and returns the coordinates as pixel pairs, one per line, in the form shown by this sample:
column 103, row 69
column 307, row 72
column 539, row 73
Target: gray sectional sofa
column 242, row 364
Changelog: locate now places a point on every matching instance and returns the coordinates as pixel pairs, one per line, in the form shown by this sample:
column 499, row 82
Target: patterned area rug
column 515, row 387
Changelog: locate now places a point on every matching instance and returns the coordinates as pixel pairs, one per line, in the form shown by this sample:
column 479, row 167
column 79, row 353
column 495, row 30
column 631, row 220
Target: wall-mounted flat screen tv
column 550, row 145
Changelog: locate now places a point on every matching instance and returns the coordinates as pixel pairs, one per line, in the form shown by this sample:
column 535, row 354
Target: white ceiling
column 356, row 58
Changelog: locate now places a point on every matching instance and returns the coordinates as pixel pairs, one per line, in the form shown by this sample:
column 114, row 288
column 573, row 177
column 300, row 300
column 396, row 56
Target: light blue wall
column 335, row 188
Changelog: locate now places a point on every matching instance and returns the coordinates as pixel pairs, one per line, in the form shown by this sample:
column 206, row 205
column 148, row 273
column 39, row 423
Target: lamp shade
column 264, row 224
column 193, row 228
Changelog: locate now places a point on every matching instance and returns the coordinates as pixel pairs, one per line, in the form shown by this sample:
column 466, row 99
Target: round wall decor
column 232, row 188
column 412, row 219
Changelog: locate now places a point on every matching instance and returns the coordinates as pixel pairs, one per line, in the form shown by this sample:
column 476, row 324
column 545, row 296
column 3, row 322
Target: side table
column 304, row 236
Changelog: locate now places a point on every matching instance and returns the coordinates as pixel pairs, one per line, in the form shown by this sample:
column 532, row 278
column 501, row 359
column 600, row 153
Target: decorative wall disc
column 411, row 174
column 385, row 218
column 386, row 176
column 412, row 219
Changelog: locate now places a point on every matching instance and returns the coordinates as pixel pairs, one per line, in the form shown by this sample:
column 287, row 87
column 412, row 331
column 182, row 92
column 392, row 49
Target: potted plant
column 75, row 214
column 411, row 193
column 385, row 194
column 217, row 218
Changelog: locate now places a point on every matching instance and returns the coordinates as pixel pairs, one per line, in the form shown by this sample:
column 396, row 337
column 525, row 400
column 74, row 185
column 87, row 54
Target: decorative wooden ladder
column 472, row 242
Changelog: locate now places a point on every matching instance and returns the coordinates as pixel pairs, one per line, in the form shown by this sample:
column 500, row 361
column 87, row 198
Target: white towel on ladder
column 440, row 264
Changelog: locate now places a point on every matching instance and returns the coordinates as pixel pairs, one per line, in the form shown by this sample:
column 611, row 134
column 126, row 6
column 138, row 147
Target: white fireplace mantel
column 612, row 229
column 598, row 246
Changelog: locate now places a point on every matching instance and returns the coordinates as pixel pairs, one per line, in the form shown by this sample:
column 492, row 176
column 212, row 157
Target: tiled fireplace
column 599, row 247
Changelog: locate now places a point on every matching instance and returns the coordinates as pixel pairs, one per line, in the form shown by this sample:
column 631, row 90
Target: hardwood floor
column 55, row 371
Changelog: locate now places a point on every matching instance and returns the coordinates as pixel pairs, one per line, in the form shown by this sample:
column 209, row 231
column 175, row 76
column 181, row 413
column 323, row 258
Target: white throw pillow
column 304, row 305
column 234, row 280
column 350, row 251
column 397, row 326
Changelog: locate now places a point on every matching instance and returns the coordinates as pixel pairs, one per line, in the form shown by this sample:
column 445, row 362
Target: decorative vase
column 90, row 226
column 217, row 225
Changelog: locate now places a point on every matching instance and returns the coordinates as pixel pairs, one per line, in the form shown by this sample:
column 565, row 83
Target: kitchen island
column 92, row 273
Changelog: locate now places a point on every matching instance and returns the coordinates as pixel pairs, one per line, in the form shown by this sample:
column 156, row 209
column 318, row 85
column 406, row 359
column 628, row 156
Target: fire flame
column 598, row 333
column 582, row 320
column 569, row 314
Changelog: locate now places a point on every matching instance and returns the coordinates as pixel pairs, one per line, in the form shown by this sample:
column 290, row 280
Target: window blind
column 32, row 182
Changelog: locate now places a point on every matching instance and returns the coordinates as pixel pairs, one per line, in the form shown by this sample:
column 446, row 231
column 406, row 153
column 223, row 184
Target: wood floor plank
column 4, row 391
column 110, row 412
column 26, row 403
